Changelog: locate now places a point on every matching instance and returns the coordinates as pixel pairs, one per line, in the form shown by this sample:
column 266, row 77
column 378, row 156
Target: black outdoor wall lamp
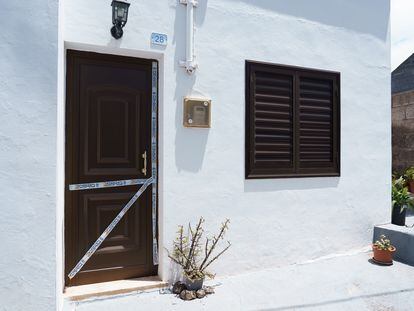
column 119, row 17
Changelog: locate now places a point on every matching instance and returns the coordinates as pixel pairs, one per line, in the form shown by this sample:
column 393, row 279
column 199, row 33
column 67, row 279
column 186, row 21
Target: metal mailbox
column 197, row 112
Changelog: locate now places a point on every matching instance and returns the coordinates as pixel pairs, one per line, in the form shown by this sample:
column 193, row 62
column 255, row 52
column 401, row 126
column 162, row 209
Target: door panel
column 108, row 129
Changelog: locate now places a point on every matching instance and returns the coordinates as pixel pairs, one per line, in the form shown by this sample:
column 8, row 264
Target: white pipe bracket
column 190, row 66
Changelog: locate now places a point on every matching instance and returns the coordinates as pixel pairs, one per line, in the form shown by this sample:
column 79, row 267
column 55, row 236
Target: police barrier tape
column 108, row 230
column 106, row 184
column 154, row 104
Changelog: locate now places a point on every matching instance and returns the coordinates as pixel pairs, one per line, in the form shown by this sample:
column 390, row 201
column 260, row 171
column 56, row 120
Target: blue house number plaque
column 159, row 38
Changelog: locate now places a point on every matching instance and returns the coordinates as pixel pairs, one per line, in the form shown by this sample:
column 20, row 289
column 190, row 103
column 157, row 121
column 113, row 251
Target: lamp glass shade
column 119, row 12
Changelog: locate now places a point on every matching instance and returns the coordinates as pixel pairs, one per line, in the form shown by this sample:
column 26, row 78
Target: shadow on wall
column 265, row 185
column 361, row 16
column 190, row 144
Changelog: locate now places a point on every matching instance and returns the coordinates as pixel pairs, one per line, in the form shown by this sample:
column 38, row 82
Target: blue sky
column 402, row 31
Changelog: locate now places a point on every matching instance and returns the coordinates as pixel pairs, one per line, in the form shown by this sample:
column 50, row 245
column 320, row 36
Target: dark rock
column 209, row 290
column 201, row 293
column 178, row 287
column 188, row 295
column 182, row 294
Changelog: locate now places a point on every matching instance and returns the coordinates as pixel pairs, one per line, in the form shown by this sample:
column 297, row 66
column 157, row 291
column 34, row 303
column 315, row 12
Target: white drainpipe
column 189, row 64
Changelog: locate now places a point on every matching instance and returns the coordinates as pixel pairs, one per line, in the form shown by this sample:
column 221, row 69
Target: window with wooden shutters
column 292, row 121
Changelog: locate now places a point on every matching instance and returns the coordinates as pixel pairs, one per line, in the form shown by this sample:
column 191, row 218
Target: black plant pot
column 398, row 216
column 193, row 284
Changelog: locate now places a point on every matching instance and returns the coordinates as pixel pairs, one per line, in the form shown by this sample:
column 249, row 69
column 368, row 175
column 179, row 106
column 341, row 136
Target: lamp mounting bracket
column 193, row 2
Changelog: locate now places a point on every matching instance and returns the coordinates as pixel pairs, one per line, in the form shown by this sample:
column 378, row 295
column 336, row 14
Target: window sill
column 280, row 176
column 81, row 292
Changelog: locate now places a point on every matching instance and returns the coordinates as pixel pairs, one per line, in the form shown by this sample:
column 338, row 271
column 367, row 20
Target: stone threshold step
column 81, row 292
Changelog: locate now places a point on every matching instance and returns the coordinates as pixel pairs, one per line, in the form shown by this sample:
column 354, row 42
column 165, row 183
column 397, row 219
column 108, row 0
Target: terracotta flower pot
column 383, row 256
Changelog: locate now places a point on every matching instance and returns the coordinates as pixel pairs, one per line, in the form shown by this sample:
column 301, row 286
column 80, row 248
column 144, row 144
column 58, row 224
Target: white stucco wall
column 28, row 100
column 273, row 222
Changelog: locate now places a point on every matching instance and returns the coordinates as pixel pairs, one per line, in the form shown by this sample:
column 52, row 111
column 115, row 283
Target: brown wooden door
column 108, row 129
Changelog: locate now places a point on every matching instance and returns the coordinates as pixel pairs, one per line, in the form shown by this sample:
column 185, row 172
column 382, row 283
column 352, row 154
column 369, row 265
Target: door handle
column 144, row 169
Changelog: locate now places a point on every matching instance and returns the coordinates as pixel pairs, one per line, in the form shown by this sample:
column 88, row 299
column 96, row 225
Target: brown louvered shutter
column 271, row 140
column 318, row 123
column 292, row 122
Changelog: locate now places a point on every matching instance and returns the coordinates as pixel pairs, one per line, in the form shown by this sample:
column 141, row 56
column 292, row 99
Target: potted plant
column 409, row 177
column 383, row 251
column 194, row 255
column 401, row 200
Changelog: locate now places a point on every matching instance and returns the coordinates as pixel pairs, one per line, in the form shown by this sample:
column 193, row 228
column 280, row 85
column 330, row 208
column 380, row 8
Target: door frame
column 61, row 171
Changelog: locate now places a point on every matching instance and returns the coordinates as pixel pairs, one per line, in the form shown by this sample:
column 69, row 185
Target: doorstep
column 82, row 292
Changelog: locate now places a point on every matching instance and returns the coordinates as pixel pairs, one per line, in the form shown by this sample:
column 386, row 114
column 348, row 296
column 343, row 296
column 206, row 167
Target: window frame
column 252, row 172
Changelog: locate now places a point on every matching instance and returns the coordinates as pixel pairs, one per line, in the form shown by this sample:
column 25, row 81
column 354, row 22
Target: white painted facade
column 274, row 222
